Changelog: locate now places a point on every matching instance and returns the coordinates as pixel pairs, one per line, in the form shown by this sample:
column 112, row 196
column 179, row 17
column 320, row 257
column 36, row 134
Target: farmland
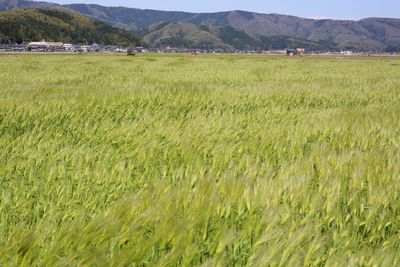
column 209, row 160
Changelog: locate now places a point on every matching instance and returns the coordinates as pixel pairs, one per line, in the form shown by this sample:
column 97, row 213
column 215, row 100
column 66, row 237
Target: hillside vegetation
column 227, row 37
column 199, row 161
column 18, row 26
column 364, row 35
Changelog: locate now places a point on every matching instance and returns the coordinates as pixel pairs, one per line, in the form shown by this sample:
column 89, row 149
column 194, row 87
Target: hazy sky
column 338, row 9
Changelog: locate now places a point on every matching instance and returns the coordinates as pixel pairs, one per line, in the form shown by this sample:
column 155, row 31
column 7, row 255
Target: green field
column 208, row 160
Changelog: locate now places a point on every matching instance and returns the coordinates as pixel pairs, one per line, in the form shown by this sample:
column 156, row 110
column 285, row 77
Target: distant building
column 140, row 49
column 300, row 51
column 95, row 47
column 295, row 52
column 275, row 52
column 291, row 52
column 45, row 45
column 346, row 53
column 121, row 50
column 84, row 48
column 68, row 47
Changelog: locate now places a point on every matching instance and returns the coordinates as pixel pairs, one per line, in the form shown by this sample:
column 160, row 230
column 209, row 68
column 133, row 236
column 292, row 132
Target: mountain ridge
column 364, row 34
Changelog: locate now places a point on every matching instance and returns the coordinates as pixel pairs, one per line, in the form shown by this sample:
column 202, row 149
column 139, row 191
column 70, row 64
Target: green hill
column 182, row 35
column 186, row 35
column 24, row 25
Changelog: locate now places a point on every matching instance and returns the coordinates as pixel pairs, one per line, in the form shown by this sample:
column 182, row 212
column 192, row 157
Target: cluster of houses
column 288, row 52
column 60, row 47
column 47, row 47
column 44, row 46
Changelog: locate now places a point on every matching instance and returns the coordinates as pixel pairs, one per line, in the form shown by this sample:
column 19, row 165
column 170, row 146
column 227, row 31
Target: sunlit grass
column 214, row 160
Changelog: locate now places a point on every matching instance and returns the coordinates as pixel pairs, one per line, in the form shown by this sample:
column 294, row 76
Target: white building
column 69, row 47
column 44, row 44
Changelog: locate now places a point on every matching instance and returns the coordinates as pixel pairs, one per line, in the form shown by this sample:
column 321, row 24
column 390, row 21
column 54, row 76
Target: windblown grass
column 211, row 160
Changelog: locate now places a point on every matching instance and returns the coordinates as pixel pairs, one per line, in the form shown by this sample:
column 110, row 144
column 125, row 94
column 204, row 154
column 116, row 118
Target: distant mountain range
column 238, row 29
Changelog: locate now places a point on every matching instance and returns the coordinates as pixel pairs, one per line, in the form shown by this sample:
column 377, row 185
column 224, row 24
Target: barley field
column 199, row 161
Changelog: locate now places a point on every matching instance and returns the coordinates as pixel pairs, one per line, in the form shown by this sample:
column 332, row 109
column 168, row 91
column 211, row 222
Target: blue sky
column 337, row 9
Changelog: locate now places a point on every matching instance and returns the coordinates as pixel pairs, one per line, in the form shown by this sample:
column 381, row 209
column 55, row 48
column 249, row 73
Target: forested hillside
column 24, row 25
column 226, row 37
